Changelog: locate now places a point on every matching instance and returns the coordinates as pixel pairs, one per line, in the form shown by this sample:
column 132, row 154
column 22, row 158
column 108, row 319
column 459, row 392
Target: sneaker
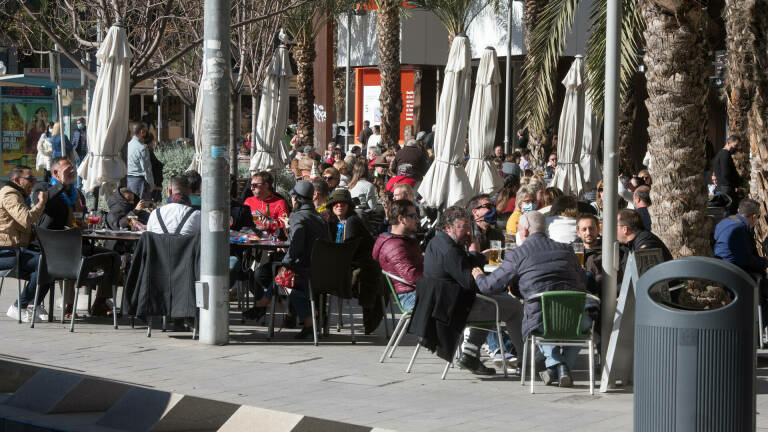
column 474, row 365
column 26, row 316
column 511, row 360
column 42, row 314
column 548, row 375
column 13, row 313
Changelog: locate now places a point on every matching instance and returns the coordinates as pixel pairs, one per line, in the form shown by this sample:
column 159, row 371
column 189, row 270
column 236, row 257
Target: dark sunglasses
column 256, row 185
column 328, row 178
column 486, row 206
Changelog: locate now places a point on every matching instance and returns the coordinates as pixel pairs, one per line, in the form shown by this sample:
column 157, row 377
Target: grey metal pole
column 159, row 116
column 214, row 236
column 610, row 177
column 59, row 106
column 347, row 144
column 508, row 97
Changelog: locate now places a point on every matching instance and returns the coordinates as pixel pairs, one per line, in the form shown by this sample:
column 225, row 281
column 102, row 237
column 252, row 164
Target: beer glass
column 578, row 249
column 494, row 256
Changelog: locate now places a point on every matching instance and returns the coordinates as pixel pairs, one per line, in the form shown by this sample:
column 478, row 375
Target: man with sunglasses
column 264, row 200
column 16, row 221
column 484, row 227
column 398, row 252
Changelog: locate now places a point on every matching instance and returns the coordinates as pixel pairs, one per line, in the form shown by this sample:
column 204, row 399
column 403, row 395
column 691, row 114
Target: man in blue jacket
column 734, row 240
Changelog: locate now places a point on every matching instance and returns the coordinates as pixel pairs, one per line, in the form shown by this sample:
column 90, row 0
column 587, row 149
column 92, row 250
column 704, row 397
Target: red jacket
column 400, row 179
column 401, row 256
column 274, row 206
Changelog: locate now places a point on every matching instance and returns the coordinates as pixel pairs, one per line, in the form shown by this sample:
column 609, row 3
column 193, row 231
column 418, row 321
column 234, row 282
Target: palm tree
column 758, row 114
column 741, row 61
column 390, row 99
column 456, row 15
column 676, row 55
column 304, row 23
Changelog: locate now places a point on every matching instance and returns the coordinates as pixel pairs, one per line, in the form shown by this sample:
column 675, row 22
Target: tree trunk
column 234, row 131
column 390, row 98
column 741, row 60
column 537, row 139
column 255, row 102
column 758, row 116
column 626, row 123
column 531, row 11
column 304, row 54
column 677, row 92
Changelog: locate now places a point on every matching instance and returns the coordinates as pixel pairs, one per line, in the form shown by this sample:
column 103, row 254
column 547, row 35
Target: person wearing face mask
column 537, row 265
column 45, row 152
column 446, row 294
column 524, row 202
column 484, row 221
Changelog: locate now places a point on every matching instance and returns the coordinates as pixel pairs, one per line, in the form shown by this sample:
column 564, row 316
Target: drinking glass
column 494, row 256
column 578, row 249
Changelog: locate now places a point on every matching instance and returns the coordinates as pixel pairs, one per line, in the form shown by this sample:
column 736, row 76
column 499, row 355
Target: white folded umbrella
column 568, row 175
column 108, row 118
column 446, row 182
column 197, row 127
column 483, row 176
column 273, row 115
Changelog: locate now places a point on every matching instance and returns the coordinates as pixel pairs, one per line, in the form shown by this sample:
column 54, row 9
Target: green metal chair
column 405, row 317
column 562, row 313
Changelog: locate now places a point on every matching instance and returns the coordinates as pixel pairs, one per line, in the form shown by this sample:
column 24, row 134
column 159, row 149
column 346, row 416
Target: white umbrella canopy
column 590, row 164
column 197, row 128
column 446, row 183
column 273, row 115
column 568, row 175
column 108, row 117
column 483, row 176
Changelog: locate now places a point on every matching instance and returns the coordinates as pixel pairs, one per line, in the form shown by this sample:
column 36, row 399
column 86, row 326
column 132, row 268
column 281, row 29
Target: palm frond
column 456, row 15
column 534, row 96
column 632, row 26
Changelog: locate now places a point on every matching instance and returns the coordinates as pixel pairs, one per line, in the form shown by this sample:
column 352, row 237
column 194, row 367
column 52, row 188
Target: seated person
column 537, row 265
column 320, row 198
column 525, row 201
column 265, row 200
column 16, row 232
column 239, row 213
column 404, row 175
column 548, row 197
column 361, row 187
column 195, row 187
column 631, row 233
column 122, row 203
column 561, row 225
column 332, row 177
column 588, row 231
column 398, row 251
column 735, row 242
column 484, row 221
column 177, row 214
column 345, row 225
column 448, row 268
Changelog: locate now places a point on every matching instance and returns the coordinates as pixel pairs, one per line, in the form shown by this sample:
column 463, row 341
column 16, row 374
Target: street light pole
column 610, row 180
column 507, row 100
column 346, row 90
column 56, row 73
column 214, row 236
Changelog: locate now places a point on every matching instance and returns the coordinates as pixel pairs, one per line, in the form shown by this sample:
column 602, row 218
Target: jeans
column 510, row 312
column 493, row 342
column 299, row 298
column 556, row 354
column 139, row 186
column 407, row 300
column 29, row 260
column 234, row 270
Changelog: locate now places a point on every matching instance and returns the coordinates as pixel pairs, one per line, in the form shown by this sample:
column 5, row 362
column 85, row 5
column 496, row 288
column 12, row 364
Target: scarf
column 179, row 199
column 69, row 196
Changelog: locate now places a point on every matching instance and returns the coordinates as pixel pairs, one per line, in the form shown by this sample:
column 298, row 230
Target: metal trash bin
column 695, row 369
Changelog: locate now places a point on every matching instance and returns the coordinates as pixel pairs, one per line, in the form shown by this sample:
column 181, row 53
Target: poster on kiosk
column 24, row 116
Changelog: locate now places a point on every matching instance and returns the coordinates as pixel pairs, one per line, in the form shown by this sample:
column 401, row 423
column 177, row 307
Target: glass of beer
column 494, row 255
column 578, row 249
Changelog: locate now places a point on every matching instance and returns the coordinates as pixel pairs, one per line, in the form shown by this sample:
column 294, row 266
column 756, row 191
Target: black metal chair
column 331, row 273
column 62, row 259
column 14, row 273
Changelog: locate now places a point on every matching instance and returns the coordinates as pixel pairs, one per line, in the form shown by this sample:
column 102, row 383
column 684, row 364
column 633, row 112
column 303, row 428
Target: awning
column 24, row 80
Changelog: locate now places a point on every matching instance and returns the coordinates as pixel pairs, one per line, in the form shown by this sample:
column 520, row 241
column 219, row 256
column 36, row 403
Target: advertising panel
column 22, row 122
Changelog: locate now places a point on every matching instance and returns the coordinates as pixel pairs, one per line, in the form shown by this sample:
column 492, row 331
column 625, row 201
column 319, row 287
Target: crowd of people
column 368, row 196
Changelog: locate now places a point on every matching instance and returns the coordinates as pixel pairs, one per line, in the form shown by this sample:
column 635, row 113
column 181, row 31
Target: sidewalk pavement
column 336, row 380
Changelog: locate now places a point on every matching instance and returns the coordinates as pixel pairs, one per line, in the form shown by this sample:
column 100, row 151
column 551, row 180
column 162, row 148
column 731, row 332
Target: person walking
column 728, row 179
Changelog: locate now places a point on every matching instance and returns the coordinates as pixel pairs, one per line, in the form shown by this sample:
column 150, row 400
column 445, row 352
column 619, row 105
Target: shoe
column 548, row 375
column 42, row 314
column 13, row 313
column 100, row 309
column 304, row 333
column 498, row 363
column 474, row 365
column 564, row 376
column 26, row 315
column 255, row 313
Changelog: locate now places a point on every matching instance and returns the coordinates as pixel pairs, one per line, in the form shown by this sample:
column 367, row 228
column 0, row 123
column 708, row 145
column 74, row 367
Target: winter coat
column 16, row 219
column 400, row 256
column 306, row 226
column 119, row 210
column 44, row 153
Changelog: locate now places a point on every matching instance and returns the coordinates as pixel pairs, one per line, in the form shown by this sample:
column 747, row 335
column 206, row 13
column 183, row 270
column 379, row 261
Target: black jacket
column 119, row 210
column 306, row 226
column 161, row 281
column 642, row 240
column 725, row 170
column 412, row 154
column 241, row 216
column 444, row 295
column 57, row 212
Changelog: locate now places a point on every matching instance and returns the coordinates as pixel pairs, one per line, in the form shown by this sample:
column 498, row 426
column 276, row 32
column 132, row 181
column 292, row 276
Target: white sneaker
column 499, row 363
column 26, row 316
column 42, row 314
column 13, row 313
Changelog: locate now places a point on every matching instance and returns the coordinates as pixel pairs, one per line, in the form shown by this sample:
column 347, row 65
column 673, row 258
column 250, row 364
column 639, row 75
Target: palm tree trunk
column 531, row 11
column 741, row 62
column 677, row 93
column 758, row 116
column 626, row 125
column 304, row 54
column 536, row 138
column 390, row 99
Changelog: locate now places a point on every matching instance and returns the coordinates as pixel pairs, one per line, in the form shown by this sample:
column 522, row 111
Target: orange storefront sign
column 367, row 106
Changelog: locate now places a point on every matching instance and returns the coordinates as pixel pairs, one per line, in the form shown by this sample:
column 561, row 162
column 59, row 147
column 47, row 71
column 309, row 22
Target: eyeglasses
column 485, row 206
column 414, row 215
column 329, row 178
column 256, row 185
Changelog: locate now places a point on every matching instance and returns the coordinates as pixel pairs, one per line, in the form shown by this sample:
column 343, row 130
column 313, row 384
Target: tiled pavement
column 336, row 380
